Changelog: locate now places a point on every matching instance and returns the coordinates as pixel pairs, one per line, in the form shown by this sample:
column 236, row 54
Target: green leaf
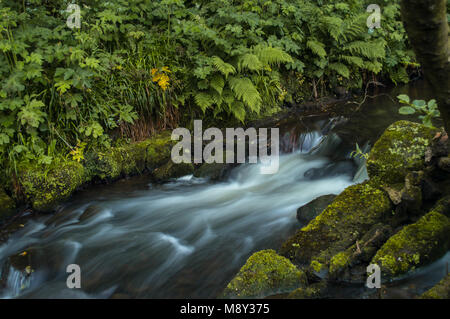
column 403, row 98
column 406, row 110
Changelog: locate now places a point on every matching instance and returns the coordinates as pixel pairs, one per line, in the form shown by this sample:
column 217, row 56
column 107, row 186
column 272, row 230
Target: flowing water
column 186, row 238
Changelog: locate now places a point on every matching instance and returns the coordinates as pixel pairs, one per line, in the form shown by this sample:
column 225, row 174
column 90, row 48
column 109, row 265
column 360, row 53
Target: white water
column 183, row 239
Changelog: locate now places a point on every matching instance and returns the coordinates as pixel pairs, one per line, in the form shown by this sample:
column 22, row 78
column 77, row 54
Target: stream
column 187, row 238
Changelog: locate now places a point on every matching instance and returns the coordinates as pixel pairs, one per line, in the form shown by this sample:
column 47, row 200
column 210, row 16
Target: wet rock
column 430, row 190
column 313, row 209
column 417, row 244
column 399, row 150
column 344, row 265
column 265, row 273
column 7, row 206
column 90, row 212
column 440, row 291
column 45, row 189
column 351, row 215
column 213, row 171
column 331, row 170
column 313, row 291
column 172, row 170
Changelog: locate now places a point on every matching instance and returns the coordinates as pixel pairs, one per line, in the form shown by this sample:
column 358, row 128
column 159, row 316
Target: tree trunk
column 427, row 27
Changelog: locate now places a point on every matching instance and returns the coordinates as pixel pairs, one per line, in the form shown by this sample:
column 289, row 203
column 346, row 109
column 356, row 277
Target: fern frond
column 340, row 68
column 245, row 91
column 359, row 62
column 249, row 61
column 217, row 82
column 271, row 56
column 203, row 100
column 317, row 48
column 223, row 67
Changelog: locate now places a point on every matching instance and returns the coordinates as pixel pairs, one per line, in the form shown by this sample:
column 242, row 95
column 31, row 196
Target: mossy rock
column 415, row 245
column 440, row 291
column 133, row 158
column 45, row 189
column 7, row 205
column 265, row 273
column 172, row 170
column 159, row 150
column 351, row 215
column 313, row 209
column 105, row 165
column 314, row 291
column 399, row 150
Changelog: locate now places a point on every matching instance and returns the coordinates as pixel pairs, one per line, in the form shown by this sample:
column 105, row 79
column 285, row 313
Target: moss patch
column 400, row 149
column 440, row 291
column 159, row 150
column 265, row 273
column 415, row 245
column 347, row 219
column 44, row 189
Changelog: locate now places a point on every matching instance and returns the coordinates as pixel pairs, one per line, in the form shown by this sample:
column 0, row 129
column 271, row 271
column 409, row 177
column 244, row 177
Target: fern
column 245, row 91
column 317, row 48
column 223, row 67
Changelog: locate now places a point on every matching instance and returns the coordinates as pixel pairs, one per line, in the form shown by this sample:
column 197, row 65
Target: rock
column 440, row 291
column 45, row 189
column 213, row 171
column 399, row 150
column 265, row 273
column 171, row 170
column 313, row 291
column 89, row 212
column 159, row 150
column 313, row 209
column 342, row 265
column 417, row 244
column 7, row 205
column 351, row 215
column 444, row 164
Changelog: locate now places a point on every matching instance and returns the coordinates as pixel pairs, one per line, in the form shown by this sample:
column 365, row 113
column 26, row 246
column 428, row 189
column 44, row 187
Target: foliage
column 428, row 109
column 139, row 66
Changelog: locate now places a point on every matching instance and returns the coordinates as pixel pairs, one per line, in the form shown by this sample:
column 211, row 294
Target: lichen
column 415, row 245
column 265, row 273
column 346, row 220
column 399, row 150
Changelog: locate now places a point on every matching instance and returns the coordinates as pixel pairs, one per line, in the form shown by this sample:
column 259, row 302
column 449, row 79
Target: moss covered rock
column 351, row 215
column 440, row 291
column 45, row 189
column 265, row 273
column 314, row 291
column 172, row 170
column 7, row 205
column 415, row 245
column 399, row 150
column 159, row 150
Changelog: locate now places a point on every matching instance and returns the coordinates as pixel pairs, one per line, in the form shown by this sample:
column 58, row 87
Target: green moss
column 314, row 291
column 265, row 273
column 171, row 170
column 7, row 205
column 346, row 220
column 415, row 245
column 159, row 150
column 339, row 262
column 440, row 291
column 44, row 189
column 399, row 150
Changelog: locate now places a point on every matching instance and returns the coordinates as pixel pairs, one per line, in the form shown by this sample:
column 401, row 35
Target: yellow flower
column 154, row 71
column 166, row 69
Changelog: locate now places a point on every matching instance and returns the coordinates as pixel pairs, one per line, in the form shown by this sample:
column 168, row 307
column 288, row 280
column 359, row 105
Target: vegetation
column 429, row 110
column 136, row 67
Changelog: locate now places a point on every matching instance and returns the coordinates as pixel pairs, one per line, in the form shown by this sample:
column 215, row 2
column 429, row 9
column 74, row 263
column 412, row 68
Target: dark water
column 187, row 238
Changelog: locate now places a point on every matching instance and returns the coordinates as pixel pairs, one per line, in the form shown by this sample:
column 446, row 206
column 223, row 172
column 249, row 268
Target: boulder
column 172, row 170
column 440, row 291
column 44, row 189
column 417, row 244
column 313, row 209
column 265, row 273
column 351, row 215
column 401, row 149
